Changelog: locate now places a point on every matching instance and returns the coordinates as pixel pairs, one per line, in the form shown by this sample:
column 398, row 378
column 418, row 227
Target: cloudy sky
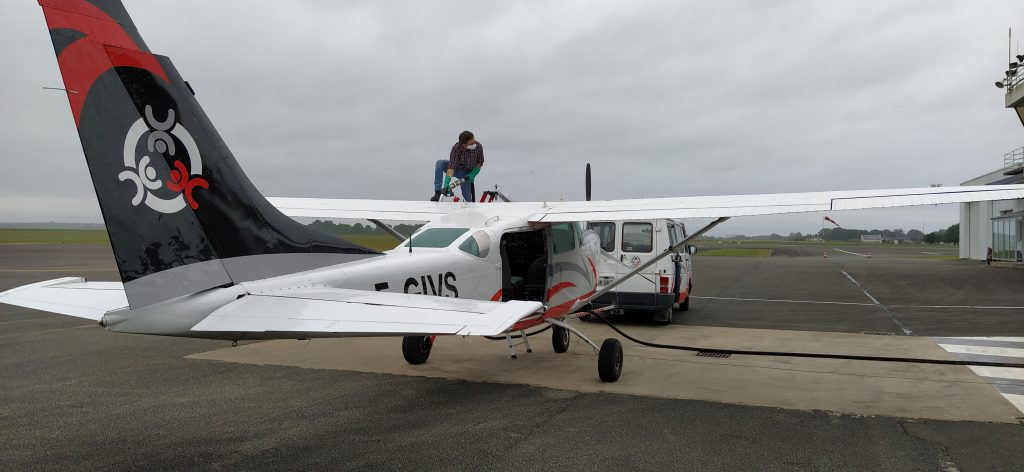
column 357, row 99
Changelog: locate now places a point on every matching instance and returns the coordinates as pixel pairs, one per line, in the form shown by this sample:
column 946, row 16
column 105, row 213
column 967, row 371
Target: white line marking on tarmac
column 782, row 301
column 775, row 300
column 995, row 338
column 1016, row 400
column 964, row 306
column 858, row 284
column 932, row 253
column 896, row 321
column 850, row 252
column 998, row 372
column 984, row 350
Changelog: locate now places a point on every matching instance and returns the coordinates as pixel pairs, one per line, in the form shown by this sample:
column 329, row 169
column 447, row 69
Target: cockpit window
column 479, row 244
column 437, row 237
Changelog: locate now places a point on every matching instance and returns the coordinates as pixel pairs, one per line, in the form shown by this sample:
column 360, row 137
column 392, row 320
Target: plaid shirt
column 466, row 159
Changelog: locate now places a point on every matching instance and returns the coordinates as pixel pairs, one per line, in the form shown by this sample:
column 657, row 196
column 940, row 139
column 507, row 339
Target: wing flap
column 363, row 313
column 71, row 296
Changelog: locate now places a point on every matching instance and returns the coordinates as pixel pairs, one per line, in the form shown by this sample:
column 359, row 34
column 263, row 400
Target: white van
column 627, row 245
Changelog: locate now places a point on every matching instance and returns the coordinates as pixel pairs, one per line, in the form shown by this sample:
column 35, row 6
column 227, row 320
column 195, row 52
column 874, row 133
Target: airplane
column 201, row 253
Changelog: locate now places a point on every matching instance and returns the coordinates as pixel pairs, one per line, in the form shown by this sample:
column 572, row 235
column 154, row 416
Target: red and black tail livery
column 181, row 215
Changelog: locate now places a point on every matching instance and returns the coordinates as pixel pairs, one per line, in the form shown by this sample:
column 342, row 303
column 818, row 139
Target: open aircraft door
column 566, row 267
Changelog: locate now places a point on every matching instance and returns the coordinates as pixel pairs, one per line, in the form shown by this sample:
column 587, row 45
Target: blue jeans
column 440, row 167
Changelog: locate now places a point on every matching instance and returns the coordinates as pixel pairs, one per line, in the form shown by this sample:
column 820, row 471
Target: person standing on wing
column 465, row 161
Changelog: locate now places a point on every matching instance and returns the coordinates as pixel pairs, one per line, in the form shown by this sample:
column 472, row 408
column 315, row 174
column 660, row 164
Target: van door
column 675, row 237
column 636, row 247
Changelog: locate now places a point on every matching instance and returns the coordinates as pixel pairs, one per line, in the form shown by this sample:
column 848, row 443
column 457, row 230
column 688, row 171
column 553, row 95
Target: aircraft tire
column 416, row 349
column 559, row 339
column 609, row 360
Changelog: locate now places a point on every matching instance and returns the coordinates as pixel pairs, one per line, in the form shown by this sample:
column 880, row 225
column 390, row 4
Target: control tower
column 1013, row 82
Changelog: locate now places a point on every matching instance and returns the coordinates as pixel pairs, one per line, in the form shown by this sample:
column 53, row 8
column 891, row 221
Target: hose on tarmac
column 812, row 355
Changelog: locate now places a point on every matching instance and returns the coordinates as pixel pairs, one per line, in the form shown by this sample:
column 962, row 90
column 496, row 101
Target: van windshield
column 606, row 232
column 437, row 237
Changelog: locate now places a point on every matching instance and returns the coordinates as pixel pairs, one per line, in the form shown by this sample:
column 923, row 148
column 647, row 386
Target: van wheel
column 663, row 317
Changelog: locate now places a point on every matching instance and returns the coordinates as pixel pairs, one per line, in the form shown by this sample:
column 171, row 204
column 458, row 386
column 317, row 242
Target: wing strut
column 671, row 250
column 388, row 229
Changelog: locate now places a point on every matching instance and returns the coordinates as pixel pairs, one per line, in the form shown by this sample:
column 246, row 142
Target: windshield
column 437, row 237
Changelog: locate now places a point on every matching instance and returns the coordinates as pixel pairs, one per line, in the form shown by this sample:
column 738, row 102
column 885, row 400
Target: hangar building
column 999, row 224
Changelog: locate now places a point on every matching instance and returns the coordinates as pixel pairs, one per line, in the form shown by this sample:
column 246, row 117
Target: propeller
column 588, row 181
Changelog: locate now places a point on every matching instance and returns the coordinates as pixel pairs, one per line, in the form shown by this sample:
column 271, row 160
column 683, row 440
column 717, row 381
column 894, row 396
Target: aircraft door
column 568, row 276
column 608, row 262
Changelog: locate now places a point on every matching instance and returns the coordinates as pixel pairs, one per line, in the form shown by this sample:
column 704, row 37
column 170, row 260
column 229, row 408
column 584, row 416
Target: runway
column 75, row 397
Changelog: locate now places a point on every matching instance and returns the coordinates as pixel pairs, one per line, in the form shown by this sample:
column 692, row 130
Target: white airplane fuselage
column 443, row 272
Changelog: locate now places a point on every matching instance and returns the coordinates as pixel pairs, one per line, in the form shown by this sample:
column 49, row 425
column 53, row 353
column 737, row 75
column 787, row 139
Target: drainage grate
column 721, row 355
column 877, row 333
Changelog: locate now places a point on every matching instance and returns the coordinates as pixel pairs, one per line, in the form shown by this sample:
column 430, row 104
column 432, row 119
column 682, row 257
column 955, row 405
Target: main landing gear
column 609, row 355
column 416, row 349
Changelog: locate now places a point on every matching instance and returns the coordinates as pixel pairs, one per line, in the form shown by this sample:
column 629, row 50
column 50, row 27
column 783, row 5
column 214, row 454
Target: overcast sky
column 357, row 99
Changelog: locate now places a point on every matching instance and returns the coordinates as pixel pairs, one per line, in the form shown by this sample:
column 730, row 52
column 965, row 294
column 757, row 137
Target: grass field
column 735, row 252
column 380, row 242
column 99, row 236
column 768, row 242
column 53, row 236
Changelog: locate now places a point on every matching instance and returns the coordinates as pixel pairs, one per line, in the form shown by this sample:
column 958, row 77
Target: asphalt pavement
column 75, row 397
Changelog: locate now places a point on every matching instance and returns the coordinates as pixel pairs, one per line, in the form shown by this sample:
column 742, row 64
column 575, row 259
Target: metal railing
column 1014, row 158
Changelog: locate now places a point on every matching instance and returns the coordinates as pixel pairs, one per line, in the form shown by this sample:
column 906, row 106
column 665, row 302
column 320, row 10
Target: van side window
column 605, row 231
column 637, row 237
column 562, row 238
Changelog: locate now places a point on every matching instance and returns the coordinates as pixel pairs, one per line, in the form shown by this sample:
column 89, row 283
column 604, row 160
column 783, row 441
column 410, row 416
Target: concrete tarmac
column 75, row 397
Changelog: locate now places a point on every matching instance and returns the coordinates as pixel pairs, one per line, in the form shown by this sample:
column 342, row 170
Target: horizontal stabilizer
column 71, row 296
column 363, row 313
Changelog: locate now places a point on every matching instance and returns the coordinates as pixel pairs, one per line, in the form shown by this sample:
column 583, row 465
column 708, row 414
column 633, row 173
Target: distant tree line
column 949, row 235
column 331, row 227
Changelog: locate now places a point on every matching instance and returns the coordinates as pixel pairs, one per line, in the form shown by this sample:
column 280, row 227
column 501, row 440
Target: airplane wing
column 363, row 313
column 768, row 204
column 71, row 296
column 401, row 210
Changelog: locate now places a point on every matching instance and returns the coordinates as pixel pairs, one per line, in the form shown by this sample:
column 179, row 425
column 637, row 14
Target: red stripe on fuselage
column 558, row 288
column 497, row 296
column 83, row 61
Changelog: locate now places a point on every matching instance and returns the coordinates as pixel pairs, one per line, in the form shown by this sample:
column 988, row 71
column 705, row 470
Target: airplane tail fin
column 181, row 215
